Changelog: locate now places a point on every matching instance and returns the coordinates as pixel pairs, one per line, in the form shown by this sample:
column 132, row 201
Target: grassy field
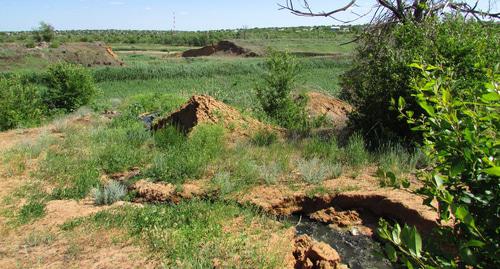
column 196, row 233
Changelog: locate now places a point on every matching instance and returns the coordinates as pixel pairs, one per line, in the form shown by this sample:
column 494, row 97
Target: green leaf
column 415, row 242
column 396, row 234
column 429, row 109
column 391, row 252
column 490, row 97
column 494, row 171
column 457, row 167
column 474, row 243
column 401, row 102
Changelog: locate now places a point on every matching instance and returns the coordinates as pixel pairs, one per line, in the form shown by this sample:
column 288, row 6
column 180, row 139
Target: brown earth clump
column 148, row 191
column 223, row 47
column 206, row 109
column 337, row 217
column 310, row 254
column 333, row 109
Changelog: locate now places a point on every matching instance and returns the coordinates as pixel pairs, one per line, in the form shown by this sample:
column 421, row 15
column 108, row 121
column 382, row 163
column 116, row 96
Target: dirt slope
column 221, row 48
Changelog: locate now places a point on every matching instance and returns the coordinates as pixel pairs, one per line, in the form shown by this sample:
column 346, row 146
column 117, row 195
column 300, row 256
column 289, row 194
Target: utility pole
column 173, row 24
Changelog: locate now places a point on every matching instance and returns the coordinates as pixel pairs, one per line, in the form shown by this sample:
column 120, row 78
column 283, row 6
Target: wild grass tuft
column 110, row 193
column 314, row 171
column 355, row 153
column 31, row 211
column 264, row 138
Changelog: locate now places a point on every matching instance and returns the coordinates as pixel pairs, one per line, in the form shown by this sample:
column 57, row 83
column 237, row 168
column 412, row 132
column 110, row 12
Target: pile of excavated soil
column 221, row 48
column 204, row 109
column 310, row 254
column 86, row 54
column 333, row 109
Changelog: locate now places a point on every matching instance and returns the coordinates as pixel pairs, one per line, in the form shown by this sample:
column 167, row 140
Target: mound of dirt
column 334, row 110
column 310, row 254
column 86, row 54
column 222, row 48
column 206, row 109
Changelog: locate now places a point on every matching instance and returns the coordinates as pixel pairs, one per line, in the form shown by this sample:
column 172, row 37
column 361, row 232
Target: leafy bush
column 110, row 193
column 380, row 70
column 45, row 32
column 275, row 97
column 20, row 104
column 69, row 87
column 460, row 132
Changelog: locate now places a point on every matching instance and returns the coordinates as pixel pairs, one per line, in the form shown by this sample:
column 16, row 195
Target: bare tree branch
column 310, row 13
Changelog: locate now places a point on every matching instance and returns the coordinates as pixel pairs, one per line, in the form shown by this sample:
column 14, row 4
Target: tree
column 45, row 32
column 398, row 10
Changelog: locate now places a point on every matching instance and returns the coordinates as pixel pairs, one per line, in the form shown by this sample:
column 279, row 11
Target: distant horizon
column 224, row 29
column 158, row 15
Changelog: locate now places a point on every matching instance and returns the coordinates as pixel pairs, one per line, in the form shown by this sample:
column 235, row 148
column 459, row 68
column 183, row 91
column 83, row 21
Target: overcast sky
column 18, row 15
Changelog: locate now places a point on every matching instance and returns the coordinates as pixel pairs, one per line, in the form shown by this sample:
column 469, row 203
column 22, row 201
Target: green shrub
column 275, row 96
column 460, row 132
column 264, row 138
column 20, row 104
column 45, row 32
column 30, row 44
column 69, row 87
column 380, row 70
column 110, row 193
column 183, row 158
column 54, row 45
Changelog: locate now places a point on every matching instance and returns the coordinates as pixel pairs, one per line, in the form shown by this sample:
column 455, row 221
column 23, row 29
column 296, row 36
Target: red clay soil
column 206, row 109
column 310, row 254
column 223, row 47
column 346, row 193
column 335, row 110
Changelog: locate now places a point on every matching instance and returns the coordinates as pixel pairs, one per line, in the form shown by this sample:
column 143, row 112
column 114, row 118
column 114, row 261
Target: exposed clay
column 223, row 47
column 206, row 109
column 310, row 254
column 398, row 204
column 333, row 109
column 338, row 217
